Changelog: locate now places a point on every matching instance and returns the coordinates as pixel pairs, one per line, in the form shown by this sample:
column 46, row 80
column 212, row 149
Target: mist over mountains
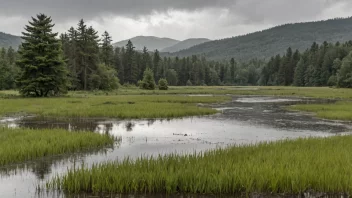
column 260, row 45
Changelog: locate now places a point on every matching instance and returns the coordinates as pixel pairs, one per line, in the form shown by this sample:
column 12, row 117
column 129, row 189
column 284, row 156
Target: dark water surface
column 245, row 120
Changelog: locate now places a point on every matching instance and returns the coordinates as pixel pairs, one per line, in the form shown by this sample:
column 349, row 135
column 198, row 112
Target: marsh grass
column 288, row 166
column 315, row 92
column 337, row 111
column 18, row 145
column 110, row 106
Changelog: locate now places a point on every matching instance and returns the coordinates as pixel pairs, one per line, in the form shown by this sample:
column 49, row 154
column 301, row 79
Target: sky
column 177, row 19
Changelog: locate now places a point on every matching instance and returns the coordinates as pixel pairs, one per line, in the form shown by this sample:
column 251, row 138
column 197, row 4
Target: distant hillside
column 272, row 41
column 185, row 44
column 151, row 42
column 7, row 40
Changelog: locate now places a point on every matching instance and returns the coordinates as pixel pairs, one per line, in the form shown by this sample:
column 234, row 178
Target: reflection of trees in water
column 104, row 128
column 129, row 126
column 93, row 125
column 51, row 123
column 41, row 169
column 151, row 122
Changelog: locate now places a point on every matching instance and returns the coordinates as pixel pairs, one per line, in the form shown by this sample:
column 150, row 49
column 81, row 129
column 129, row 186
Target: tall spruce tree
column 233, row 69
column 146, row 62
column 41, row 59
column 130, row 64
column 107, row 50
column 156, row 64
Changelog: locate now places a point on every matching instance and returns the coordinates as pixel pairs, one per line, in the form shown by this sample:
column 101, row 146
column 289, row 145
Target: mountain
column 151, row 42
column 7, row 40
column 185, row 44
column 266, row 43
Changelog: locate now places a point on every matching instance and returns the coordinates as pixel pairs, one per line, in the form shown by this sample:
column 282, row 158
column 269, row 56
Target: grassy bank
column 315, row 92
column 17, row 145
column 290, row 166
column 125, row 106
column 337, row 111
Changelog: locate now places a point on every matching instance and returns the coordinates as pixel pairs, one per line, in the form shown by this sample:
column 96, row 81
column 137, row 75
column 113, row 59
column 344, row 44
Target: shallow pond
column 245, row 120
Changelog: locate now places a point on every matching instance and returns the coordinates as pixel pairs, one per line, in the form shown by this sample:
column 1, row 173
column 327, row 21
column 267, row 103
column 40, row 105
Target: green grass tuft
column 288, row 166
column 18, row 145
column 337, row 111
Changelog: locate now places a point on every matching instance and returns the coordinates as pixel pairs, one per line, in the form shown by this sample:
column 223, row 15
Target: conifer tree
column 107, row 50
column 299, row 73
column 41, row 59
column 233, row 69
column 344, row 77
column 146, row 62
column 130, row 64
column 148, row 81
column 156, row 64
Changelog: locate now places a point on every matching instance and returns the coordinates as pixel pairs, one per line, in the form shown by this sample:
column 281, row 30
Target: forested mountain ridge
column 151, row 42
column 276, row 40
column 185, row 44
column 8, row 40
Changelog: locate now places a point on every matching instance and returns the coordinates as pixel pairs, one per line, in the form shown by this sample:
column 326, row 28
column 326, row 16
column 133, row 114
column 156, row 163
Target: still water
column 245, row 120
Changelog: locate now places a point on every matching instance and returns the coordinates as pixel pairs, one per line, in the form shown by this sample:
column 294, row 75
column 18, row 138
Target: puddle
column 245, row 88
column 201, row 95
column 266, row 100
column 239, row 123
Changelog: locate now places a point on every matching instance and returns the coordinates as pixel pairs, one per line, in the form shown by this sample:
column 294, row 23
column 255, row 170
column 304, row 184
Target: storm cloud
column 179, row 19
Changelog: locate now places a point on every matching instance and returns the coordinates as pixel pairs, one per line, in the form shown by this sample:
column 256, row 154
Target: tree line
column 94, row 62
column 8, row 68
column 81, row 59
column 327, row 64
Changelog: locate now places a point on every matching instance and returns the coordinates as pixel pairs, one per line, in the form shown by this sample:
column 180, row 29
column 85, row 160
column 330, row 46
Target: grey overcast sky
column 178, row 19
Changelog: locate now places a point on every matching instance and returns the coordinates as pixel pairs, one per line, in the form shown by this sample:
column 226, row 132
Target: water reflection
column 42, row 168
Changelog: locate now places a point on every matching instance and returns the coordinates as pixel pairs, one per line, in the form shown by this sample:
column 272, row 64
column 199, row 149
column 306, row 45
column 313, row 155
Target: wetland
column 245, row 133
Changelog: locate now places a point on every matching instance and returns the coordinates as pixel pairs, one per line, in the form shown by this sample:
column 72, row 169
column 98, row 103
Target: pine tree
column 145, row 62
column 43, row 69
column 82, row 54
column 121, row 69
column 130, row 64
column 282, row 71
column 300, row 73
column 233, row 69
column 291, row 70
column 344, row 77
column 11, row 55
column 107, row 50
column 156, row 64
column 71, row 54
column 92, row 50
